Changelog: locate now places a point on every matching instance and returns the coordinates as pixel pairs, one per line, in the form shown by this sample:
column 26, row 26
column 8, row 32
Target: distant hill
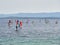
column 31, row 15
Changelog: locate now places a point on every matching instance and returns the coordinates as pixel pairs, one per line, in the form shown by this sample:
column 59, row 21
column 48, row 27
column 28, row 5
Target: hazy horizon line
column 26, row 12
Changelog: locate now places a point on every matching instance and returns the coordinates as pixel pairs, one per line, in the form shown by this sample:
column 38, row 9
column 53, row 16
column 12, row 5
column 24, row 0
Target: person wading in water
column 17, row 23
column 9, row 23
column 21, row 24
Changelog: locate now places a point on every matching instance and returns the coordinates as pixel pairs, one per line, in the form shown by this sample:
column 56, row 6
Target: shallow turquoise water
column 22, row 41
column 29, row 35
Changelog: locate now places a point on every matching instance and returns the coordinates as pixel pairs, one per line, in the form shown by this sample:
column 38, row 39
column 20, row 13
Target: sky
column 29, row 6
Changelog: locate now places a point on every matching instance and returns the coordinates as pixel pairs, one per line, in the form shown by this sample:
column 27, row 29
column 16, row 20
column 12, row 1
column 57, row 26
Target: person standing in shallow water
column 17, row 23
column 9, row 23
column 21, row 24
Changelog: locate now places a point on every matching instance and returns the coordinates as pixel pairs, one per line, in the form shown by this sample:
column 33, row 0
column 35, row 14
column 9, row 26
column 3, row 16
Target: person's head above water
column 9, row 21
column 17, row 20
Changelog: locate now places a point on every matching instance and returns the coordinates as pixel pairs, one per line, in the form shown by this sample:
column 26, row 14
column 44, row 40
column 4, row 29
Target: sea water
column 35, row 32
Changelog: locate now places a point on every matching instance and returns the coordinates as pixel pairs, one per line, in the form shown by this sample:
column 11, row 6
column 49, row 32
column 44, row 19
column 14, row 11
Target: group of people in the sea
column 17, row 22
